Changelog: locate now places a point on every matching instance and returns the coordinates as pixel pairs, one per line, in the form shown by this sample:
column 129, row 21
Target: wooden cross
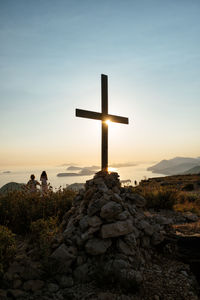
column 103, row 116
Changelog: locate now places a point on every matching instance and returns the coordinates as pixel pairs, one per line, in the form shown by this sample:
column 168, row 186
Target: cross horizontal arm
column 88, row 114
column 117, row 119
column 99, row 116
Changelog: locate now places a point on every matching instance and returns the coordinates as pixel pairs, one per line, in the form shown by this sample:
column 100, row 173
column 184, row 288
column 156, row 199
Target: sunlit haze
column 52, row 54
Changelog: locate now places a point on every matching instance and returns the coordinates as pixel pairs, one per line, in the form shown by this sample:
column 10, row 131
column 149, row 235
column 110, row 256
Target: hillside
column 195, row 170
column 174, row 166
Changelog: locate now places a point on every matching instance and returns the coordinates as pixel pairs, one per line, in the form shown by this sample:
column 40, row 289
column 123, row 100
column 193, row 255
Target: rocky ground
column 110, row 248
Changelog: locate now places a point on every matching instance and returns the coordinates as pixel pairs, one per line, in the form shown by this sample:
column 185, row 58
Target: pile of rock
column 107, row 235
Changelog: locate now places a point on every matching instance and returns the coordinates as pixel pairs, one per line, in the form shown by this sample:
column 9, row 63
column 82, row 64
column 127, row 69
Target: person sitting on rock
column 32, row 184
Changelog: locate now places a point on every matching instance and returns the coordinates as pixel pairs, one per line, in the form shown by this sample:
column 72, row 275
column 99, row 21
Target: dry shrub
column 7, row 247
column 42, row 234
column 19, row 209
column 159, row 197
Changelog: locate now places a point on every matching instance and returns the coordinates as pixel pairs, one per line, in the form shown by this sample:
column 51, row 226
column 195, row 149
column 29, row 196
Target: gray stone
column 130, row 239
column 94, row 221
column 97, row 246
column 66, row 281
column 17, row 283
column 95, row 206
column 123, row 216
column 63, row 254
column 33, row 285
column 125, row 248
column 117, row 198
column 17, row 293
column 110, row 210
column 136, row 199
column 52, row 287
column 157, row 238
column 81, row 273
column 145, row 241
column 144, row 225
column 163, row 220
column 83, row 223
column 116, row 229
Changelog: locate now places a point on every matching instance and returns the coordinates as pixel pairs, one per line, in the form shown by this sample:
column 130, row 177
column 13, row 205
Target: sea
column 22, row 175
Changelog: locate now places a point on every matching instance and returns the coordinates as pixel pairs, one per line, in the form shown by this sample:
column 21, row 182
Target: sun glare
column 108, row 122
column 110, row 169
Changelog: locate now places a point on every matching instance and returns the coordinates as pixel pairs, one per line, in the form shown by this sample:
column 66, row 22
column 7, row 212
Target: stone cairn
column 107, row 236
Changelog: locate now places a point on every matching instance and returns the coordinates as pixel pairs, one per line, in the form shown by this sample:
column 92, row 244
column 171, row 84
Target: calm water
column 22, row 175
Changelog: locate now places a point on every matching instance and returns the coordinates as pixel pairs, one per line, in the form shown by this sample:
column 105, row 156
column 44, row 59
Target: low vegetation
column 19, row 209
column 179, row 193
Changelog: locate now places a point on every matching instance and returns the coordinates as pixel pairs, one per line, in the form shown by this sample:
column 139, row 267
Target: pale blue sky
column 51, row 56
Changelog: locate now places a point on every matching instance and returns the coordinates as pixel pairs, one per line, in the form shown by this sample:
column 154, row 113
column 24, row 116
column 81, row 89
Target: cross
column 103, row 116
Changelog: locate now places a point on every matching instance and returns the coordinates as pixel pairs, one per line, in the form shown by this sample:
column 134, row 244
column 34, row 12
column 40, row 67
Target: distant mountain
column 195, row 170
column 174, row 166
column 11, row 186
column 73, row 168
column 75, row 186
column 83, row 172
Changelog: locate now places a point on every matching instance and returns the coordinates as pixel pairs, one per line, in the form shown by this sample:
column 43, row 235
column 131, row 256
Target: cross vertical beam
column 104, row 125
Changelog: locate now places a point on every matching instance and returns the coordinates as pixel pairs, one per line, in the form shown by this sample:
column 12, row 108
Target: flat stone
column 62, row 253
column 116, row 229
column 97, row 246
column 110, row 210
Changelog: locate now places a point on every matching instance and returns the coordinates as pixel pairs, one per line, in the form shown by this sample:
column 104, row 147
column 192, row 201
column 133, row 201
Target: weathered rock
column 110, row 210
column 116, row 229
column 52, row 287
column 66, row 281
column 125, row 248
column 136, row 199
column 17, row 293
column 144, row 225
column 123, row 216
column 163, row 220
column 17, row 283
column 97, row 246
column 83, row 223
column 157, row 238
column 95, row 206
column 81, row 273
column 33, row 285
column 63, row 254
column 94, row 221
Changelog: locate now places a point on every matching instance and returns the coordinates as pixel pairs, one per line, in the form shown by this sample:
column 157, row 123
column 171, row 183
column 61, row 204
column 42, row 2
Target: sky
column 52, row 55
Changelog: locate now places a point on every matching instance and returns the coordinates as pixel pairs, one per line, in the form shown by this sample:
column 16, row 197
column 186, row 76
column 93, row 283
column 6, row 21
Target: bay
column 22, row 174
